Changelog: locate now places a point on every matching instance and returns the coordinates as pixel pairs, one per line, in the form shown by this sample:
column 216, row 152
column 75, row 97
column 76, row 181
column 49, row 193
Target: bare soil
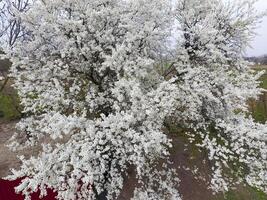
column 8, row 158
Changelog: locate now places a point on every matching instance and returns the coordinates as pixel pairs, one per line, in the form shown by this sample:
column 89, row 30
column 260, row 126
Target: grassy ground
column 8, row 110
column 259, row 108
column 247, row 193
column 9, row 104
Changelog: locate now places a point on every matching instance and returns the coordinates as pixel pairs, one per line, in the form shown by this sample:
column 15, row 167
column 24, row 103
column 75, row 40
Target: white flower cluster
column 215, row 84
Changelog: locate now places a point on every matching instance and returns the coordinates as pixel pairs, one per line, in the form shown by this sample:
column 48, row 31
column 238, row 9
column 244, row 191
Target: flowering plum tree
column 94, row 100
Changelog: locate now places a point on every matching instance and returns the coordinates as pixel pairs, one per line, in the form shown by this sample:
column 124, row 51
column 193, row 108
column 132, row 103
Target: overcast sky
column 259, row 45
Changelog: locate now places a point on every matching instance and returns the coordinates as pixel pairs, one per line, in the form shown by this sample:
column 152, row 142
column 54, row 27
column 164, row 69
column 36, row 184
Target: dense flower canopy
column 94, row 99
column 215, row 83
column 84, row 78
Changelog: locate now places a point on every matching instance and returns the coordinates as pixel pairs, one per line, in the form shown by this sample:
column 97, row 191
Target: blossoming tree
column 94, row 100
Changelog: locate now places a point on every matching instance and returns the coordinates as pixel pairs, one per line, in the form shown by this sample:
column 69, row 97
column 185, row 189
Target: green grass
column 8, row 107
column 259, row 111
column 263, row 80
column 259, row 107
column 247, row 193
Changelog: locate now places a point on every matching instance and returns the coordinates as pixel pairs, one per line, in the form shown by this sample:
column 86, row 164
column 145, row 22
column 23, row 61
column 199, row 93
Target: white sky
column 259, row 45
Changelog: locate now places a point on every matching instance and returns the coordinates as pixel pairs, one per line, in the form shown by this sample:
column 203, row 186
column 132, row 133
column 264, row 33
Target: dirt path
column 8, row 159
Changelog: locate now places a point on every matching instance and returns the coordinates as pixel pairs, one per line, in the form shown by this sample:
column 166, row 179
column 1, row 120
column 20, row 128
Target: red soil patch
column 7, row 192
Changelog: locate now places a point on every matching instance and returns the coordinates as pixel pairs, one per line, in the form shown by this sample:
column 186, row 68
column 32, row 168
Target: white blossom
column 215, row 84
